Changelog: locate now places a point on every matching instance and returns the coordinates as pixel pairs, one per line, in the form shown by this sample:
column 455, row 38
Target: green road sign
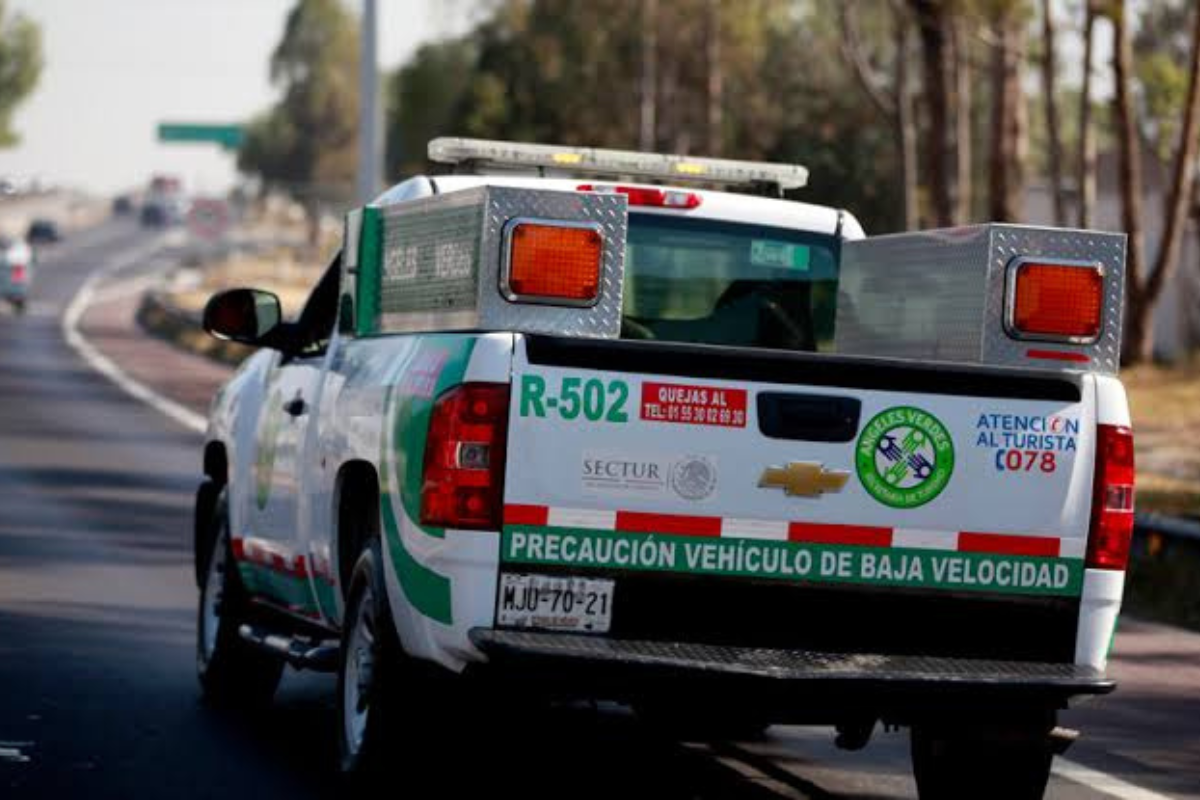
column 228, row 136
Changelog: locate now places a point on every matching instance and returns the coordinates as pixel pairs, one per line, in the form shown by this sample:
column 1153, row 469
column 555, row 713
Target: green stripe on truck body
column 792, row 561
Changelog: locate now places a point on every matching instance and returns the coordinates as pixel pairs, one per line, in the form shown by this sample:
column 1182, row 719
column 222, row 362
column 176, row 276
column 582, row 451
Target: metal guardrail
column 1177, row 527
column 1164, row 568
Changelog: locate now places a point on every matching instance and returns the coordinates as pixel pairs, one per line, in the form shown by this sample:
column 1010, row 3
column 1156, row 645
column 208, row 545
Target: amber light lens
column 1056, row 300
column 556, row 263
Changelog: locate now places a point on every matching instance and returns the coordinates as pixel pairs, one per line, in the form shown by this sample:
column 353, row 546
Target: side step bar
column 300, row 652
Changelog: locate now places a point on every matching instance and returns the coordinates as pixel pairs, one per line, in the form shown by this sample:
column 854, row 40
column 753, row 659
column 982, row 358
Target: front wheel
column 1001, row 763
column 232, row 672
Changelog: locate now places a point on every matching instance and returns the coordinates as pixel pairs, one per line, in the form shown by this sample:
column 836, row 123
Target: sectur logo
column 904, row 457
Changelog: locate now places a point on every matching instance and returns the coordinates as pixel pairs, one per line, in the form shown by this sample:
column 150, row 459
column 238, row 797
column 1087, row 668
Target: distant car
column 43, row 231
column 155, row 215
column 16, row 271
column 122, row 205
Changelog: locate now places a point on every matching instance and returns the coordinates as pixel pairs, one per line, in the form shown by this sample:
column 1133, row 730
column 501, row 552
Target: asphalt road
column 97, row 689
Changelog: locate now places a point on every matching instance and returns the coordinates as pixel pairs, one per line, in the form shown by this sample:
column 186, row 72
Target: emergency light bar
column 627, row 163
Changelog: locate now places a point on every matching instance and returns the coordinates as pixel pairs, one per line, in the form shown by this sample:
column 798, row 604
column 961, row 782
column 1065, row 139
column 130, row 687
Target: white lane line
column 102, row 363
column 13, row 752
column 123, row 289
column 1103, row 782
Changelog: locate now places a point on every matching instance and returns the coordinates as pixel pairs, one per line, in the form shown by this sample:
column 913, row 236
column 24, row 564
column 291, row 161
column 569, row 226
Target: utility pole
column 370, row 150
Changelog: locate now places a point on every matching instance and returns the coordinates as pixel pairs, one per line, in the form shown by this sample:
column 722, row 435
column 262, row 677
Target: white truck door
column 276, row 541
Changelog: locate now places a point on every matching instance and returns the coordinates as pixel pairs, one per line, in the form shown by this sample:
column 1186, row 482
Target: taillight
column 1055, row 301
column 1112, row 499
column 18, row 274
column 648, row 195
column 463, row 482
column 552, row 262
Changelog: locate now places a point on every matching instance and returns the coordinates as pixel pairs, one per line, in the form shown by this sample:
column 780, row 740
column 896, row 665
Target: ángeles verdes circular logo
column 904, row 457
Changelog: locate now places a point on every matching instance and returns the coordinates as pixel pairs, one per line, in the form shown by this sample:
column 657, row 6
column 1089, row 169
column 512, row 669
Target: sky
column 116, row 68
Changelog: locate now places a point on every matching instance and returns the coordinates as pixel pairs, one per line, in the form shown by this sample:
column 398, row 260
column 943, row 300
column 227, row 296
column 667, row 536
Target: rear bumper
column 874, row 683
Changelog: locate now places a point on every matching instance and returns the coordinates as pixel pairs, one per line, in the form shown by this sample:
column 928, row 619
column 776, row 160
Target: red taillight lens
column 18, row 274
column 648, row 195
column 463, row 485
column 555, row 263
column 1112, row 499
column 1057, row 301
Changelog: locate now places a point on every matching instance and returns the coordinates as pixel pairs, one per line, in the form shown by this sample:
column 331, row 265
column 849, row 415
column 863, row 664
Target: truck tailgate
column 706, row 480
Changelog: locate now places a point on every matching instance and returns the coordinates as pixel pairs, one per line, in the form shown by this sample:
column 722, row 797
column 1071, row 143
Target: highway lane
column 96, row 604
column 97, row 689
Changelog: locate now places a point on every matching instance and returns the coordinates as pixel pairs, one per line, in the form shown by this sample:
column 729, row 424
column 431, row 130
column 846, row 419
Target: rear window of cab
column 725, row 283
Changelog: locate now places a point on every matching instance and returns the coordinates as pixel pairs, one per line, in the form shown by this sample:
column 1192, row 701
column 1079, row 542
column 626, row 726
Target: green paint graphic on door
column 268, row 437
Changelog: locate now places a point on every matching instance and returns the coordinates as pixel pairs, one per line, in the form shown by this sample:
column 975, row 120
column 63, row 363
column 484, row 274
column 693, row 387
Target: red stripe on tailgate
column 817, row 533
column 515, row 514
column 674, row 524
column 1008, row 545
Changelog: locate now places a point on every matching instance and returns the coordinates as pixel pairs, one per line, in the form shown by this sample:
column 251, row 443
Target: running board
column 300, row 652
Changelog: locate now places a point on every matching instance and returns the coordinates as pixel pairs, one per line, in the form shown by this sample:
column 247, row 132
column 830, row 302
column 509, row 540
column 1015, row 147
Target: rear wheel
column 369, row 669
column 1002, row 763
column 232, row 672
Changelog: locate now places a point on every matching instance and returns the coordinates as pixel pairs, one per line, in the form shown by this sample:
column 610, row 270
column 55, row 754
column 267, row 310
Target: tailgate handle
column 808, row 417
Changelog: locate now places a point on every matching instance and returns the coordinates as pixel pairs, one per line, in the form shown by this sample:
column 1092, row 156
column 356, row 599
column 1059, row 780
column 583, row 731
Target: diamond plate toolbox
column 435, row 263
column 940, row 295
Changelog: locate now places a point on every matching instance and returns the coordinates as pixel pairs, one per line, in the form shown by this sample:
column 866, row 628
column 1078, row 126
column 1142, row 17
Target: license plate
column 554, row 603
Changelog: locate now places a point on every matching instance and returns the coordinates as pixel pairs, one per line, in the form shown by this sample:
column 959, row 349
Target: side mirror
column 242, row 315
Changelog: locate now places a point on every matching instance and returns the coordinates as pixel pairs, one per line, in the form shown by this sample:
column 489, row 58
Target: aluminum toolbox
column 436, row 263
column 940, row 295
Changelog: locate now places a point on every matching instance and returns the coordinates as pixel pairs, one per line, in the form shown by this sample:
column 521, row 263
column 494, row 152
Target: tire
column 203, row 529
column 371, row 669
column 1001, row 764
column 233, row 673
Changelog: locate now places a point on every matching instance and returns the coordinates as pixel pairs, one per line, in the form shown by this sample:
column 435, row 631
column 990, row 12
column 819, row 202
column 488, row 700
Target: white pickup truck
column 564, row 413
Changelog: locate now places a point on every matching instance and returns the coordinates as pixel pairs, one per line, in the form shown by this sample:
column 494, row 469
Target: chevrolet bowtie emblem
column 803, row 479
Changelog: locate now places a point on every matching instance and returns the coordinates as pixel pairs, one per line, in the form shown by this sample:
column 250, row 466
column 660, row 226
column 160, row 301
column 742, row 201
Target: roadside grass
column 279, row 270
column 1165, row 405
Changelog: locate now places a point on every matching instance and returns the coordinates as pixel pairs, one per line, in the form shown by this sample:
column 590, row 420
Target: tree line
column 912, row 113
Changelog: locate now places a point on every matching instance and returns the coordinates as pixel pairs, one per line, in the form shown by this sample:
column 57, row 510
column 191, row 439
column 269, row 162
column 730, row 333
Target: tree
column 423, row 97
column 1086, row 165
column 20, row 67
column 892, row 101
column 1006, row 156
column 961, row 30
column 308, row 141
column 1050, row 98
column 1144, row 288
column 700, row 76
column 933, row 24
